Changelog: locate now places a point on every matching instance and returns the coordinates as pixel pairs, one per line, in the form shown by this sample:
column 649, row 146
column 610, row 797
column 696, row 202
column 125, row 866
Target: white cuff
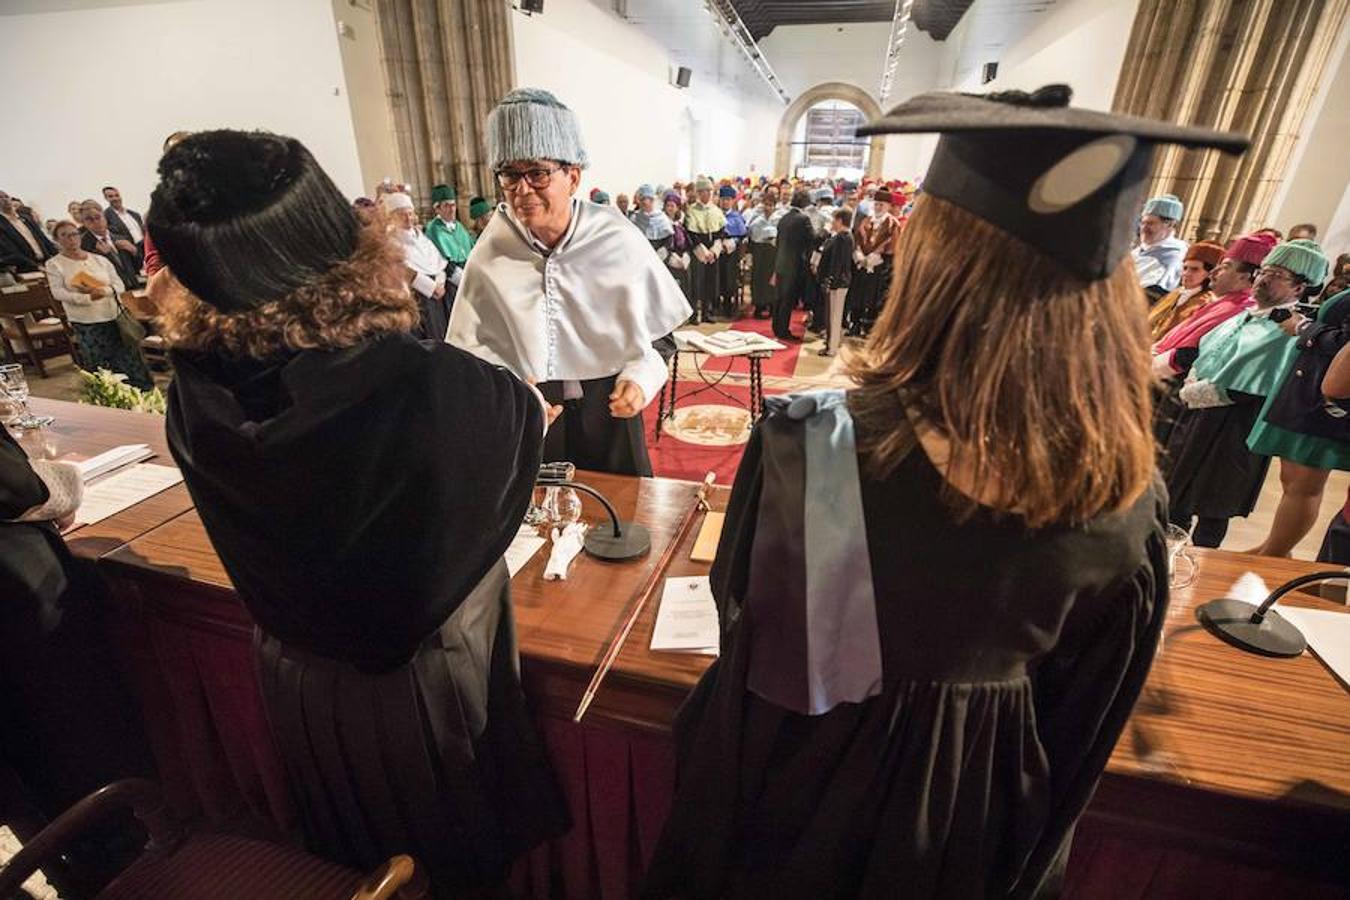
column 1162, row 365
column 649, row 373
column 543, row 404
column 424, row 284
column 65, row 490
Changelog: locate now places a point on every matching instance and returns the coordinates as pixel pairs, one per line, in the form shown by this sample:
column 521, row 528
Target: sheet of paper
column 110, row 460
column 687, row 619
column 1328, row 634
column 523, row 547
column 123, row 489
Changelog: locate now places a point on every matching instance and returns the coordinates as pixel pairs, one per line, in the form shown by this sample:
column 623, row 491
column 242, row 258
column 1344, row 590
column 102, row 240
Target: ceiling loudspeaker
column 532, row 6
column 989, row 73
column 682, row 76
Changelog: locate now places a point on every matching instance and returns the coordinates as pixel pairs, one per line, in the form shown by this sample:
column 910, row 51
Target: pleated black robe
column 361, row 500
column 1209, row 470
column 1010, row 661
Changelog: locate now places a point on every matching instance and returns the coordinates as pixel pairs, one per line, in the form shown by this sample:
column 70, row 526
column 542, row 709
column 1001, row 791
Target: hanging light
column 730, row 23
column 899, row 26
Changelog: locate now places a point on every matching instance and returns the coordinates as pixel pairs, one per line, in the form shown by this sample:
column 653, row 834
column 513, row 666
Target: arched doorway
column 844, row 97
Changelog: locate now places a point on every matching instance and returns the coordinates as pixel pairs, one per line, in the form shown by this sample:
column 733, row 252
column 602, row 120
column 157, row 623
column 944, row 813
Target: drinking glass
column 562, row 505
column 1179, row 557
column 15, row 387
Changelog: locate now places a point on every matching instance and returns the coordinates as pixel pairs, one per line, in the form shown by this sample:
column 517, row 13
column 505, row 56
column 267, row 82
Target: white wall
column 636, row 125
column 1317, row 188
column 367, row 93
column 1077, row 42
column 804, row 56
column 183, row 64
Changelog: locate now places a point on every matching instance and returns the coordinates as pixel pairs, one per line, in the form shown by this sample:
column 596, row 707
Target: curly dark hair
column 362, row 297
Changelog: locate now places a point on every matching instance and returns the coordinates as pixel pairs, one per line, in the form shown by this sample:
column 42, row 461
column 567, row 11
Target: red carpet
column 675, row 458
column 783, row 362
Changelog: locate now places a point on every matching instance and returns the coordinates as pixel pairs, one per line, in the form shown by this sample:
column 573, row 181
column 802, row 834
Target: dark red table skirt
column 197, row 686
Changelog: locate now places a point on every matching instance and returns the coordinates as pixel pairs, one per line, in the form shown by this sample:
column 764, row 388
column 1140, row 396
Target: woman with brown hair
column 360, row 487
column 940, row 592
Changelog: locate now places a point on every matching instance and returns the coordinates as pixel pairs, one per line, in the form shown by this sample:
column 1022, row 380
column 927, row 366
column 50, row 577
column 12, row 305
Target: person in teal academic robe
column 451, row 236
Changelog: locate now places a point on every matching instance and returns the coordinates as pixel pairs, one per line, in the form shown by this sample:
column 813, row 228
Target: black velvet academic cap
column 1069, row 182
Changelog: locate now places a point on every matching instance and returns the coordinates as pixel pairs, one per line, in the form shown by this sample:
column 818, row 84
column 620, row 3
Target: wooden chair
column 26, row 328
column 176, row 865
column 153, row 347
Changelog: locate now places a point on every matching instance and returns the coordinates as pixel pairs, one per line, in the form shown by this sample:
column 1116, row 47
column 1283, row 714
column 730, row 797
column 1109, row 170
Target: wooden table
column 88, row 430
column 1229, row 755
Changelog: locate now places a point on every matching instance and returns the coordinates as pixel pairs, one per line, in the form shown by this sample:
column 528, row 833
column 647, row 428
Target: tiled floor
column 37, row 885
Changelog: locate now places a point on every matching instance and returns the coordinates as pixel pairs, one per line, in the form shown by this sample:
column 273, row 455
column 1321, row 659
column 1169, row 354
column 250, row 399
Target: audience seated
column 24, row 246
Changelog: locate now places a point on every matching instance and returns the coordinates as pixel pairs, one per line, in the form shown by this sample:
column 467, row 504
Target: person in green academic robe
column 451, row 236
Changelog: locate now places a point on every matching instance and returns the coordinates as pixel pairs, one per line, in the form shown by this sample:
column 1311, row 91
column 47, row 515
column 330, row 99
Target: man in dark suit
column 795, row 237
column 123, row 222
column 120, row 251
column 23, row 244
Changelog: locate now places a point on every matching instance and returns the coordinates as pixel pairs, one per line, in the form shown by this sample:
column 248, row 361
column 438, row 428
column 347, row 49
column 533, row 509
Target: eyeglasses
column 537, row 178
column 1275, row 273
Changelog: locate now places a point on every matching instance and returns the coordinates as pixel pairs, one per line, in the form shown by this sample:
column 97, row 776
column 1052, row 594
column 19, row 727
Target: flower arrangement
column 105, row 388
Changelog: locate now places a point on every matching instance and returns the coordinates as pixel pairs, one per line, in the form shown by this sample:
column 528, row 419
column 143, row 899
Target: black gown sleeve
column 1085, row 691
column 731, row 569
column 20, row 487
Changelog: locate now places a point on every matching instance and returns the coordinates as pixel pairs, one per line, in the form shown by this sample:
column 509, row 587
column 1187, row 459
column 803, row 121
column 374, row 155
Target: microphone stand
column 1260, row 629
column 623, row 540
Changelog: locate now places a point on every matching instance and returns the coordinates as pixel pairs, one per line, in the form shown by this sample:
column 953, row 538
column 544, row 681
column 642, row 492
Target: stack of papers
column 123, row 489
column 726, row 343
column 687, row 619
column 111, row 460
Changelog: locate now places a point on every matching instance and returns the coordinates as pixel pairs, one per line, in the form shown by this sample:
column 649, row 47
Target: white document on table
column 687, row 619
column 111, row 460
column 123, row 489
column 1328, row 634
column 523, row 547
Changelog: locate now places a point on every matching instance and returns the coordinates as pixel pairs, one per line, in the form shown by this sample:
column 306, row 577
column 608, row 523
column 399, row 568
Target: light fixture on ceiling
column 899, row 25
column 730, row 24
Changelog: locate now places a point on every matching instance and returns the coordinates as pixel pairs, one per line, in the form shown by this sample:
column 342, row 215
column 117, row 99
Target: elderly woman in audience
column 88, row 287
column 360, row 487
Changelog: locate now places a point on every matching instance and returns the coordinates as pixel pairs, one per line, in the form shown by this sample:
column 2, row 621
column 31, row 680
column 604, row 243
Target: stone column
column 1241, row 65
column 447, row 63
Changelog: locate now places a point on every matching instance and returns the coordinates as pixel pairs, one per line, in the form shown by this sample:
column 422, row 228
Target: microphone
column 1260, row 629
column 622, row 540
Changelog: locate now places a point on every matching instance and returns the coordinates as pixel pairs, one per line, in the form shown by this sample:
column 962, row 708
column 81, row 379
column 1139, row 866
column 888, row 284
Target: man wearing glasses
column 566, row 294
column 1211, row 473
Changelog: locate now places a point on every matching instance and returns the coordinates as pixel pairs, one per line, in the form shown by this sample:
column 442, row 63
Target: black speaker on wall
column 989, row 73
column 682, row 77
column 532, row 6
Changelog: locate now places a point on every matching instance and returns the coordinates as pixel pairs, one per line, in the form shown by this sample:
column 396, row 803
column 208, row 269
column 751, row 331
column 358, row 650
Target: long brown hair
column 1039, row 381
column 363, row 297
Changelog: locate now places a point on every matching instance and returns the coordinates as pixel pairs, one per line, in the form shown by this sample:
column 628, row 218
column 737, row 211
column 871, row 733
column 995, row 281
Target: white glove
column 703, row 254
column 678, row 261
column 662, row 253
column 858, row 257
column 566, row 545
column 729, row 245
column 873, row 260
column 1203, row 395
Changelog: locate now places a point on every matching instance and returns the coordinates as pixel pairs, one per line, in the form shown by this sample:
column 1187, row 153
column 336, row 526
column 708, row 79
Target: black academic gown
column 1209, row 470
column 67, row 724
column 1010, row 660
column 361, row 501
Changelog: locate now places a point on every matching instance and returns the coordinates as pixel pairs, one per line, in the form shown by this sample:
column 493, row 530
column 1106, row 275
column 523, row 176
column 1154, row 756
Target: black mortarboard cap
column 1069, row 182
